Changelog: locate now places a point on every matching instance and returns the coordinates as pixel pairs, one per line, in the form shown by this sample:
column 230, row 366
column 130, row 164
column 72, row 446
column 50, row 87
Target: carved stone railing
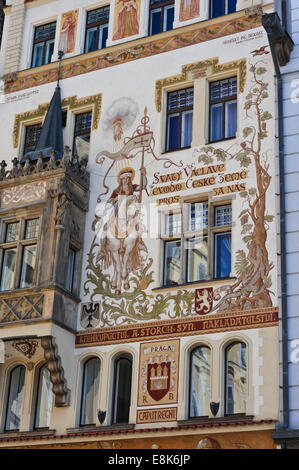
column 70, row 163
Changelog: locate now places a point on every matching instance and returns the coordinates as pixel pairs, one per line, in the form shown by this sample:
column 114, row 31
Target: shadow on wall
column 2, row 4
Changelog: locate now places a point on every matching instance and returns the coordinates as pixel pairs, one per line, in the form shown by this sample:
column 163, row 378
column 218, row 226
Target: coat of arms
column 203, row 300
column 158, row 380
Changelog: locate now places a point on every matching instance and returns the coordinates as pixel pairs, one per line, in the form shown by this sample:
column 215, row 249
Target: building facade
column 286, row 433
column 139, row 274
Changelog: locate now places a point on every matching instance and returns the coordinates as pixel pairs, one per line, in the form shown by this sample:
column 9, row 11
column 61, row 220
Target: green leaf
column 266, row 116
column 246, row 239
column 269, row 218
column 252, row 191
column 246, row 228
column 261, row 70
column 247, row 131
column 243, row 194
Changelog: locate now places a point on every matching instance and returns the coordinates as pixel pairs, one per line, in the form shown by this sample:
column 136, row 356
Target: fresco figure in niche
column 68, row 31
column 127, row 19
column 121, row 230
column 189, row 9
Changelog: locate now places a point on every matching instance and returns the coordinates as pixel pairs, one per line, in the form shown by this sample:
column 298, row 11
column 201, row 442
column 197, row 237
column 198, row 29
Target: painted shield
column 203, row 300
column 158, row 380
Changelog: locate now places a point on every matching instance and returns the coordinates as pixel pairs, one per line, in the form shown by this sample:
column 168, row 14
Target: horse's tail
column 135, row 258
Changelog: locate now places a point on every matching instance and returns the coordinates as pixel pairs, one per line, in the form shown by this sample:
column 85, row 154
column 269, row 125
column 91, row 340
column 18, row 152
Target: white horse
column 122, row 243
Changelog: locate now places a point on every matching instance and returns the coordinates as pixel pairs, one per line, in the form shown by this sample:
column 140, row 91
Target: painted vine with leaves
column 253, row 267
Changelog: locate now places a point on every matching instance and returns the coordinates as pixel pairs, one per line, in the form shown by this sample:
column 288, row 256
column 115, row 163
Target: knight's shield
column 203, row 300
column 158, row 380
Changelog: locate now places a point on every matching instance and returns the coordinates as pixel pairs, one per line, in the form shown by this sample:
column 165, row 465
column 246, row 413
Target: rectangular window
column 161, row 16
column 28, row 266
column 43, row 44
column 82, row 134
column 32, row 134
column 206, row 244
column 179, row 119
column 96, row 29
column 70, row 270
column 223, row 109
column 19, row 251
column 222, row 7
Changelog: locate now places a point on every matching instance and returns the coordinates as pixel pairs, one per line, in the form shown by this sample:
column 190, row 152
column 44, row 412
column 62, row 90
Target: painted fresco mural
column 253, row 267
column 69, row 21
column 189, row 9
column 126, row 18
column 120, row 263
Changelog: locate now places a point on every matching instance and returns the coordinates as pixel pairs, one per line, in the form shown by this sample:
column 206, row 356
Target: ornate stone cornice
column 138, row 49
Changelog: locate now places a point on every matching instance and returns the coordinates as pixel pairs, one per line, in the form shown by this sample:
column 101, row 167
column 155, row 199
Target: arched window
column 15, row 399
column 91, row 383
column 200, row 382
column 235, row 378
column 44, row 400
column 122, row 389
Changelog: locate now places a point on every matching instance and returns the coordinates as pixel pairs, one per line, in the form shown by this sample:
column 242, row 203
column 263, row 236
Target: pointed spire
column 51, row 136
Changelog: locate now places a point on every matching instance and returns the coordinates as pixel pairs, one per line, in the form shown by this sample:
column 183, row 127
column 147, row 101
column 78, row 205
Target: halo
column 126, row 170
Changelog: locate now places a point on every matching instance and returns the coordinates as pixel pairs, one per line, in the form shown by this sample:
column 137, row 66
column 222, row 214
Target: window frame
column 179, row 111
column 225, row 402
column 83, row 386
column 163, row 4
column 19, row 244
column 97, row 25
column 114, row 406
column 82, row 132
column 35, row 427
column 187, row 234
column 28, row 126
column 223, row 102
column 40, row 41
column 225, row 4
column 190, row 378
column 8, row 397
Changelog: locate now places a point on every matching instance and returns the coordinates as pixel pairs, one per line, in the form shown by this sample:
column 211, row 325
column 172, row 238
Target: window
column 207, row 226
column 32, row 134
column 19, row 249
column 222, row 7
column 96, row 29
column 44, row 400
column 122, row 389
column 91, row 384
column 200, row 382
column 71, row 270
column 43, row 44
column 82, row 134
column 223, row 109
column 235, row 378
column 179, row 119
column 161, row 16
column 15, row 399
